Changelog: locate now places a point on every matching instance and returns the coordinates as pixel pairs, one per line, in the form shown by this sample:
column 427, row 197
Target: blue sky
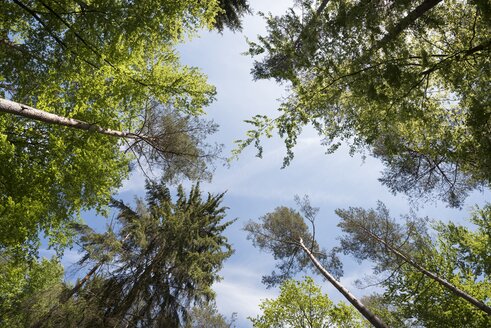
column 256, row 186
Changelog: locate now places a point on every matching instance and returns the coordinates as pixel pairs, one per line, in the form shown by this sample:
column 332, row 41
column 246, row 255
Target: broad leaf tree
column 431, row 281
column 111, row 66
column 406, row 80
column 27, row 288
column 302, row 304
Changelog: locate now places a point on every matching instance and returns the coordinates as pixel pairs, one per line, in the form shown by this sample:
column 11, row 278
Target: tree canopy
column 89, row 90
column 407, row 80
column 159, row 261
column 410, row 296
column 279, row 233
column 109, row 64
column 285, row 234
column 302, row 304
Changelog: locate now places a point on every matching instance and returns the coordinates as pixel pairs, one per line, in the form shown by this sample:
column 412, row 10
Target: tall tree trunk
column 65, row 297
column 404, row 23
column 460, row 293
column 15, row 108
column 371, row 317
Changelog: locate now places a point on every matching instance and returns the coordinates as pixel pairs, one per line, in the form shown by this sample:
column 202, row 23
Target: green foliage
column 163, row 259
column 110, row 63
column 27, row 288
column 410, row 237
column 469, row 249
column 230, row 14
column 409, row 80
column 302, row 304
column 207, row 315
column 387, row 312
column 279, row 233
column 458, row 254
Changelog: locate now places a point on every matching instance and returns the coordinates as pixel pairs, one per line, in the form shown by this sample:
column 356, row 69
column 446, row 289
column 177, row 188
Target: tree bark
column 458, row 292
column 15, row 108
column 66, row 297
column 371, row 317
column 406, row 21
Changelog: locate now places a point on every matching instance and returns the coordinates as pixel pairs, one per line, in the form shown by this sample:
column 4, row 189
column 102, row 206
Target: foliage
column 109, row 63
column 387, row 312
column 279, row 232
column 411, row 237
column 407, row 80
column 207, row 315
column 25, row 285
column 230, row 14
column 164, row 258
column 161, row 261
column 302, row 304
column 410, row 297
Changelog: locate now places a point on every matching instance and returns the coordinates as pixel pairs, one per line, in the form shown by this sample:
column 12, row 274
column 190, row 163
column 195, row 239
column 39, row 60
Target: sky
column 256, row 186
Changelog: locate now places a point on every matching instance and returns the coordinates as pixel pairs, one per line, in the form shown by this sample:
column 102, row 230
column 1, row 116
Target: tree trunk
column 460, row 293
column 371, row 317
column 405, row 22
column 15, row 108
column 64, row 298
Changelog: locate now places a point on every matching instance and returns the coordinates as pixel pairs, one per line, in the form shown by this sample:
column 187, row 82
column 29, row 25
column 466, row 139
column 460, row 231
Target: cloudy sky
column 256, row 186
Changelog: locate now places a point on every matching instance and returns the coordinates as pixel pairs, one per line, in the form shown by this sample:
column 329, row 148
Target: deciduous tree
column 407, row 80
column 302, row 304
column 112, row 65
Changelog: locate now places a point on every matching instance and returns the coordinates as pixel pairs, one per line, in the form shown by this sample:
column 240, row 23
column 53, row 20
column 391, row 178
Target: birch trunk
column 371, row 317
column 11, row 107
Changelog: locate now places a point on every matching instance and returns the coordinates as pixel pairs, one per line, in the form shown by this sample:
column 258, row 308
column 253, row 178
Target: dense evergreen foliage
column 160, row 259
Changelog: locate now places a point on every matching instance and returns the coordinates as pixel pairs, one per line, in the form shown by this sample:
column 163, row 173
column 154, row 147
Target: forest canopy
column 101, row 101
column 108, row 65
column 406, row 80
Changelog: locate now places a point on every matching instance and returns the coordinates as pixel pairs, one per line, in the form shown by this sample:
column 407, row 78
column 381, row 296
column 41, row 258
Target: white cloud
column 134, row 184
column 241, row 292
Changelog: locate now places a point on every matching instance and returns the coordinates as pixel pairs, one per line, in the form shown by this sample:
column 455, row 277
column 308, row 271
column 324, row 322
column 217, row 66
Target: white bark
column 460, row 293
column 371, row 317
column 15, row 108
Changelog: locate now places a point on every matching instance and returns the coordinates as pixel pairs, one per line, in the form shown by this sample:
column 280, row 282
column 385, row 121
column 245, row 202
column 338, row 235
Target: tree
column 285, row 234
column 387, row 312
column 302, row 304
column 207, row 315
column 406, row 80
column 163, row 259
column 230, row 14
column 25, row 285
column 422, row 277
column 112, row 65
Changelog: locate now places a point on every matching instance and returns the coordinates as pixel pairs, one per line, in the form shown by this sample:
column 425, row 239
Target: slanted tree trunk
column 66, row 296
column 404, row 23
column 11, row 107
column 406, row 258
column 371, row 317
